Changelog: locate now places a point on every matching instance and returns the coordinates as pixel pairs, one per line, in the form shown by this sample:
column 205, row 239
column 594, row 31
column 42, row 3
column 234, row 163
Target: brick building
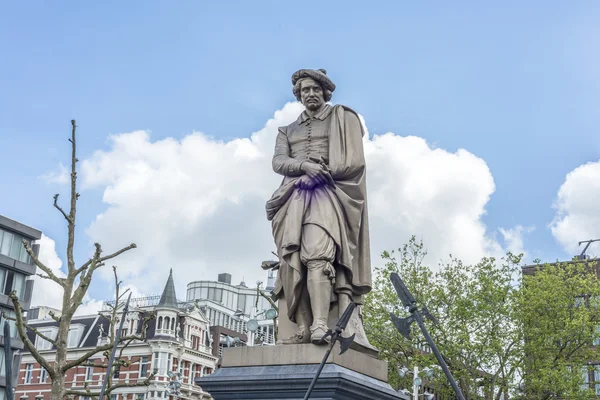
column 177, row 340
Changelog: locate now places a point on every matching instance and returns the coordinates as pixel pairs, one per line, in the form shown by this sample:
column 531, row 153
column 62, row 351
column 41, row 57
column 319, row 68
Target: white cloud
column 45, row 291
column 513, row 238
column 577, row 217
column 60, row 175
column 197, row 204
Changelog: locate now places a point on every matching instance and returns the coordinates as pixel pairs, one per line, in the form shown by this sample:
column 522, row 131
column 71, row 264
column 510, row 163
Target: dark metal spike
column 427, row 314
column 345, row 343
column 403, row 325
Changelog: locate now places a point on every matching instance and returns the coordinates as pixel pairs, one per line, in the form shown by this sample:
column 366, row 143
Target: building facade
column 229, row 308
column 177, row 340
column 15, row 269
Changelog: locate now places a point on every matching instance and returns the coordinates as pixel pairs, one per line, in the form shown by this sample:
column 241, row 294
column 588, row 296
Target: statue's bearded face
column 311, row 94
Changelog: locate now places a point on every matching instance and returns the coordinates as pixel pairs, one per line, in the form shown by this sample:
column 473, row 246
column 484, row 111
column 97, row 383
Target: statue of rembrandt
column 319, row 212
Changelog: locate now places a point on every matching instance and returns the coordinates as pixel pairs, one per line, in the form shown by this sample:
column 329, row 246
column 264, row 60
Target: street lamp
column 252, row 323
column 174, row 384
column 417, row 380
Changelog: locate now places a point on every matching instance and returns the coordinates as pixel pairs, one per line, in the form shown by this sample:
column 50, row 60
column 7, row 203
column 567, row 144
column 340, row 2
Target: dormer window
column 75, row 334
column 42, row 344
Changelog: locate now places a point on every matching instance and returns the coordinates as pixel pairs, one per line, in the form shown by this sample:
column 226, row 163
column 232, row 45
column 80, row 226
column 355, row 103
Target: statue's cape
column 348, row 226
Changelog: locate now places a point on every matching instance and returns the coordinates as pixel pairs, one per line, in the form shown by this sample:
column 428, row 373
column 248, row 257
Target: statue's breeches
column 316, row 244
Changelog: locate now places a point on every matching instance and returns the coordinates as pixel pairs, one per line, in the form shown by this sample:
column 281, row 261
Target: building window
column 43, row 344
column 28, row 373
column 117, row 371
column 585, row 374
column 241, row 305
column 11, row 245
column 162, row 362
column 143, row 366
column 89, row 373
column 596, row 341
column 73, row 338
column 215, row 294
column 160, row 319
column 43, row 375
column 12, row 281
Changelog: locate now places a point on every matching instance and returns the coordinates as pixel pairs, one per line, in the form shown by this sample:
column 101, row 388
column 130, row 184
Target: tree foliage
column 74, row 286
column 560, row 316
column 484, row 313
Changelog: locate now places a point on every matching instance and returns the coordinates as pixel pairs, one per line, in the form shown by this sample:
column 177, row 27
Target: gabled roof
column 169, row 298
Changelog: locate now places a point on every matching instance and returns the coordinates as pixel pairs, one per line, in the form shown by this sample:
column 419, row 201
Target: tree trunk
column 58, row 388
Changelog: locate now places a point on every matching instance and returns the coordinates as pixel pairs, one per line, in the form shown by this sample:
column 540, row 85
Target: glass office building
column 16, row 268
column 230, row 306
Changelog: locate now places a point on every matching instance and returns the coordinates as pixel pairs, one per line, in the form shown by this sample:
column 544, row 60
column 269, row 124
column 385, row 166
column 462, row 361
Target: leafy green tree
column 560, row 314
column 475, row 330
column 502, row 335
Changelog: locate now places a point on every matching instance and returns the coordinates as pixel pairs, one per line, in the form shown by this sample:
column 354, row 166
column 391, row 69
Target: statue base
column 287, row 328
column 285, row 372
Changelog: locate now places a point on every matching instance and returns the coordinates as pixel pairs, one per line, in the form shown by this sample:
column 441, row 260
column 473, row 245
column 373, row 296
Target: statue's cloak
column 343, row 215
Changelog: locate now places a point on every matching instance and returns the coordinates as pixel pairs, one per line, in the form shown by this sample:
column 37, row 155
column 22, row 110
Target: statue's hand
column 305, row 182
column 317, row 173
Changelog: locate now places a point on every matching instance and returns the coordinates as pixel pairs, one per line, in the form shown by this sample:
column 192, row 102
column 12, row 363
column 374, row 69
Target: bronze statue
column 319, row 213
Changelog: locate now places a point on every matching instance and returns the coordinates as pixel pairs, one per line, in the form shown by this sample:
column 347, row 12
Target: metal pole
column 438, row 355
column 415, row 387
column 335, row 336
column 114, row 349
column 314, row 380
column 8, row 361
column 409, row 301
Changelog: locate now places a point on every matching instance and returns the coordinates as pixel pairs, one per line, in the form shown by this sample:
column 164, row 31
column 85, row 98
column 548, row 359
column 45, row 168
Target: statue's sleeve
column 283, row 164
column 346, row 153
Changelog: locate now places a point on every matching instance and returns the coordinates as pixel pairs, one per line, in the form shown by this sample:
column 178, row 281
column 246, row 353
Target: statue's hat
column 319, row 75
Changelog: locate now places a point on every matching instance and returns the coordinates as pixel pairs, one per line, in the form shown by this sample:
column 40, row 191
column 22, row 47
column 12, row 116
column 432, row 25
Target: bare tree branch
column 92, row 260
column 20, row 324
column 31, row 328
column 74, row 197
column 59, row 208
column 41, row 265
column 115, row 254
column 72, row 299
column 109, row 345
column 145, row 382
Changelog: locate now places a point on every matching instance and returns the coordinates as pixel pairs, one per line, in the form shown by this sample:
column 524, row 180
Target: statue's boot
column 302, row 335
column 319, row 283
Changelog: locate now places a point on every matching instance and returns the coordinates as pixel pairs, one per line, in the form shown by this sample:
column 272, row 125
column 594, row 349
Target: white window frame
column 142, row 363
column 43, row 375
column 43, row 344
column 89, row 374
column 28, row 373
column 74, row 336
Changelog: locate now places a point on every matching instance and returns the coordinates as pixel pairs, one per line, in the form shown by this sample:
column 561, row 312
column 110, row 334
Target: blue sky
column 516, row 84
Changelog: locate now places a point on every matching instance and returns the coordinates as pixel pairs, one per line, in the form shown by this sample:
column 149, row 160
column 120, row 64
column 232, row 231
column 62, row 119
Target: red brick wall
column 77, row 374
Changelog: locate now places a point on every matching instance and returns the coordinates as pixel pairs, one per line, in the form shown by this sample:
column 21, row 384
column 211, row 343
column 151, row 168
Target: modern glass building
column 231, row 306
column 15, row 269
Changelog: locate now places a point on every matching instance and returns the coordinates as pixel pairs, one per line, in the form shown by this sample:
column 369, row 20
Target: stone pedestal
column 285, row 372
